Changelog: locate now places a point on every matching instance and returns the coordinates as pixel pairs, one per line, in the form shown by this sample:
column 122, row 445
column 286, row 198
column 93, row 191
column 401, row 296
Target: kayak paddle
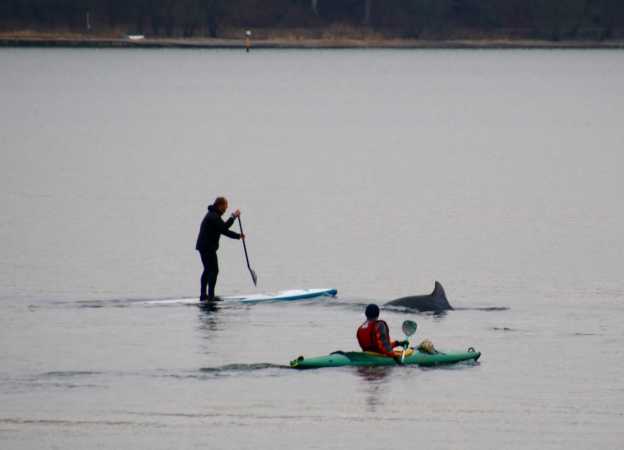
column 254, row 277
column 409, row 328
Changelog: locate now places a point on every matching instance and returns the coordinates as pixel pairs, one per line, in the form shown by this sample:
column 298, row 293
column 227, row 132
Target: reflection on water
column 208, row 308
column 208, row 321
column 374, row 382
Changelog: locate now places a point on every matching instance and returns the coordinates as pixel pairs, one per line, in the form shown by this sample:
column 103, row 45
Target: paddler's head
column 372, row 311
column 220, row 205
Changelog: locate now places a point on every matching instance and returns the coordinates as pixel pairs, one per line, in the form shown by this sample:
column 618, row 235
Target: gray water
column 374, row 172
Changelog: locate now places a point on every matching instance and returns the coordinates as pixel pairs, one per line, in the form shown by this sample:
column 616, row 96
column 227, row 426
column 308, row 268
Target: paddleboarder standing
column 211, row 229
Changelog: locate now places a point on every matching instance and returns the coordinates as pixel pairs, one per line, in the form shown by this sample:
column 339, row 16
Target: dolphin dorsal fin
column 438, row 290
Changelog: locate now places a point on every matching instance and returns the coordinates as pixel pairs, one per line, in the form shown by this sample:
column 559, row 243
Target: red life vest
column 367, row 338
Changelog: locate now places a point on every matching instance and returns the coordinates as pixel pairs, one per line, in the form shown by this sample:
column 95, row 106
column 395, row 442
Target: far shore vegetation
column 374, row 21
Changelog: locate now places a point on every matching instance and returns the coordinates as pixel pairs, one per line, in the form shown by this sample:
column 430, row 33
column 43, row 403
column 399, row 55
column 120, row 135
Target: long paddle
column 254, row 277
column 409, row 328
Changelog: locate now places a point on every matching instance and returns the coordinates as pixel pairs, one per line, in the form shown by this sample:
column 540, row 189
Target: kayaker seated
column 374, row 334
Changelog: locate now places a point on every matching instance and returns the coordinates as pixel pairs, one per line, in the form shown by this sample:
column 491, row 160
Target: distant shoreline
column 7, row 40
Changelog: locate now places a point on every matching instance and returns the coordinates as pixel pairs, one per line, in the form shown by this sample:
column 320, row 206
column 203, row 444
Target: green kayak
column 416, row 357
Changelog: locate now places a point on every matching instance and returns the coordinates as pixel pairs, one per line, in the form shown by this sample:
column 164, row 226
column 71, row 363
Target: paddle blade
column 254, row 277
column 409, row 327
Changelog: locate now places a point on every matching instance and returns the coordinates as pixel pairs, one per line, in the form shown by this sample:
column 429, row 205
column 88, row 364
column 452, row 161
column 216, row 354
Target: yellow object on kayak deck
column 398, row 353
column 426, row 346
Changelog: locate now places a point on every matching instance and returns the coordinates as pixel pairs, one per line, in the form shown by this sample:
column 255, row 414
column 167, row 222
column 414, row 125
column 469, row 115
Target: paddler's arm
column 223, row 229
column 232, row 234
column 383, row 340
column 228, row 223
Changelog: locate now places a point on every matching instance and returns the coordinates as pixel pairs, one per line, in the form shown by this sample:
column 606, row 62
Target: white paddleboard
column 281, row 296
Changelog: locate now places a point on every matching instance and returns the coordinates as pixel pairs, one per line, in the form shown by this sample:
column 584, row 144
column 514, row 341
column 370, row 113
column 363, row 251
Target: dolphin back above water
column 436, row 301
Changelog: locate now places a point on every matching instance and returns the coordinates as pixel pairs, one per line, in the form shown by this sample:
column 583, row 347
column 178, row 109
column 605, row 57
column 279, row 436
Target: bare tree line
column 550, row 19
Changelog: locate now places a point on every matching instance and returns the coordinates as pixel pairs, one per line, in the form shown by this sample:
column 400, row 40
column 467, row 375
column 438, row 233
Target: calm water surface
column 375, row 172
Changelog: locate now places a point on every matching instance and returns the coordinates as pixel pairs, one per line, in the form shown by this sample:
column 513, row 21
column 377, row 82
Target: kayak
column 370, row 359
column 281, row 296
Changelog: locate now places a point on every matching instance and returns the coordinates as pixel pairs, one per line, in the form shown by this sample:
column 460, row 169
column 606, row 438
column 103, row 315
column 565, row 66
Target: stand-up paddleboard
column 281, row 296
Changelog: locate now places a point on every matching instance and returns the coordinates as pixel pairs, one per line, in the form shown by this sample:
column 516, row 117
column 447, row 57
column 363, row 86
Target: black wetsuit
column 212, row 227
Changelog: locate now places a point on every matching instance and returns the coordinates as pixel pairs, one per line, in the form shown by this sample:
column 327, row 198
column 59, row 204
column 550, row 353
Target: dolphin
column 436, row 301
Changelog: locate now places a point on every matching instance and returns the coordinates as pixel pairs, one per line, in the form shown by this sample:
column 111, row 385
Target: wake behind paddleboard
column 281, row 296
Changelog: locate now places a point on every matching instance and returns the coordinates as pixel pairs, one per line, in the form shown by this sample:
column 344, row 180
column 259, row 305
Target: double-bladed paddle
column 254, row 277
column 409, row 328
